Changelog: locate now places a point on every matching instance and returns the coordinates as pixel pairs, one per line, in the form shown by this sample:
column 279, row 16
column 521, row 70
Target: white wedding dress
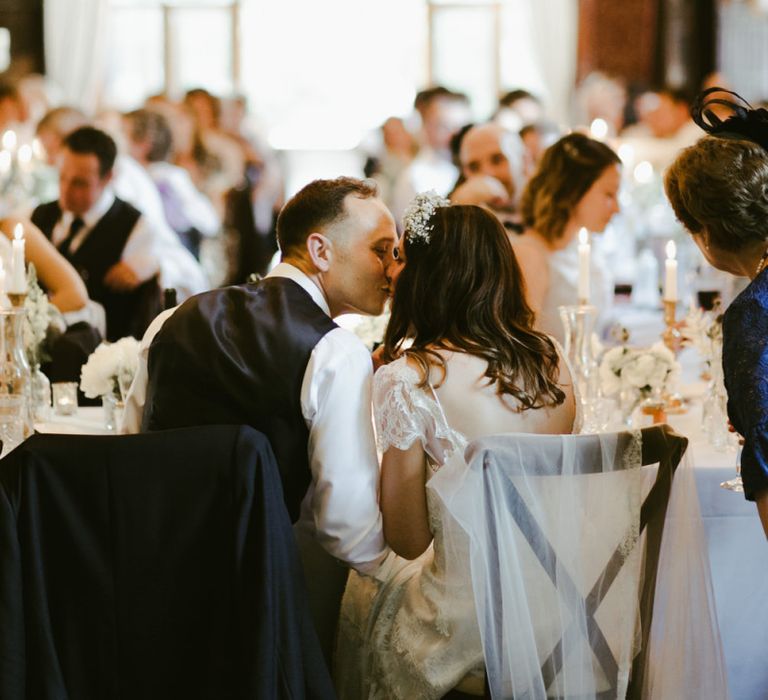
column 414, row 636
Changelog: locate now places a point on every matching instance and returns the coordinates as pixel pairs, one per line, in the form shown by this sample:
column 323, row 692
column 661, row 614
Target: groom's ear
column 320, row 251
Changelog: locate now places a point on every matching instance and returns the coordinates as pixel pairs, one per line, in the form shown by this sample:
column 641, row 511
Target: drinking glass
column 64, row 398
column 736, row 484
column 598, row 413
column 12, row 411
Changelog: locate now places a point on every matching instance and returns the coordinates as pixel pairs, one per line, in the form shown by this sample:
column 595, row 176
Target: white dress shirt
column 178, row 267
column 341, row 508
column 139, row 252
column 197, row 208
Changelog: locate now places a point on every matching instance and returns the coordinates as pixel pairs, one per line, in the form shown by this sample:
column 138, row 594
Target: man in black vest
column 105, row 238
column 269, row 355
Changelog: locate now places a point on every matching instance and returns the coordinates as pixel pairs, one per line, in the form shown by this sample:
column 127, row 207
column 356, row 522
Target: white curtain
column 75, row 49
column 554, row 30
column 538, row 51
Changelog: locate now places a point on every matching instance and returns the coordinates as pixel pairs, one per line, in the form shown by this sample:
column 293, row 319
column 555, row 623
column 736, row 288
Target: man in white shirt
column 269, row 355
column 442, row 114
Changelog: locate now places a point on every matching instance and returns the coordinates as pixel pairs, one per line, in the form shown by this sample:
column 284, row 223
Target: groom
column 270, row 355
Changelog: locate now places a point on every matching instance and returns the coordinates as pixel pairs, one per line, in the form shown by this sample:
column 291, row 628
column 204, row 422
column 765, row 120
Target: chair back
column 151, row 566
column 565, row 534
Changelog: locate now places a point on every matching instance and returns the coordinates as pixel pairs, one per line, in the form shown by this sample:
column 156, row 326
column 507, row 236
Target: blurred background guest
column 576, row 186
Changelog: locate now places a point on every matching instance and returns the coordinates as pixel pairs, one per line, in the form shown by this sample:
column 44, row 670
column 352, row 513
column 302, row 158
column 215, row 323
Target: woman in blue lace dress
column 719, row 191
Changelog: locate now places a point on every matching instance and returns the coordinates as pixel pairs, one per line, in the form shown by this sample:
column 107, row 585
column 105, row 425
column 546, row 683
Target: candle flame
column 25, row 154
column 671, row 250
column 9, row 140
column 643, row 173
column 18, row 232
column 583, row 236
column 627, row 153
column 599, row 128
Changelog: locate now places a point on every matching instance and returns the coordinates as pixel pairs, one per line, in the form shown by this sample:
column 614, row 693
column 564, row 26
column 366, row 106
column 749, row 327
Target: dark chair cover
column 160, row 565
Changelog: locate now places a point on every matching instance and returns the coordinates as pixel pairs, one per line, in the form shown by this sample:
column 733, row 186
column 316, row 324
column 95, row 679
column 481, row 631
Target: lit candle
column 670, row 280
column 598, row 129
column 584, row 254
column 9, row 140
column 37, row 149
column 18, row 284
column 25, row 157
column 643, row 172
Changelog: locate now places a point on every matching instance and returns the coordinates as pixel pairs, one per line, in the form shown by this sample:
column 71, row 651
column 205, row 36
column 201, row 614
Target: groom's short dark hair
column 315, row 206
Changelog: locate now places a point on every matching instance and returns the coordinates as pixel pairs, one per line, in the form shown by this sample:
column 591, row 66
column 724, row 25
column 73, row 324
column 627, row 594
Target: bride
column 475, row 367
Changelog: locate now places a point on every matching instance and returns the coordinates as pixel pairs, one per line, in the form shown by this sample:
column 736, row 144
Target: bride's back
column 473, row 408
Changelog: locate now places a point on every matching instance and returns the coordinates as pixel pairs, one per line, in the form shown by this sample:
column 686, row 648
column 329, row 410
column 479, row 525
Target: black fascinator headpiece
column 745, row 122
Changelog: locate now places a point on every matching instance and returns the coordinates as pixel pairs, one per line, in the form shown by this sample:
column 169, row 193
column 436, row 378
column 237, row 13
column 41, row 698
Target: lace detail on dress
column 405, row 413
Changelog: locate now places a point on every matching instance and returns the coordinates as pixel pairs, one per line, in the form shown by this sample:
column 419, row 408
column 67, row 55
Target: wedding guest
column 270, row 355
column 11, row 107
column 474, row 365
column 442, row 114
column 576, row 186
column 719, row 191
column 492, row 167
column 179, row 270
column 74, row 334
column 104, row 237
column 601, row 96
column 65, row 288
column 226, row 154
column 396, row 150
column 537, row 138
column 55, row 126
column 664, row 127
column 517, row 109
column 189, row 212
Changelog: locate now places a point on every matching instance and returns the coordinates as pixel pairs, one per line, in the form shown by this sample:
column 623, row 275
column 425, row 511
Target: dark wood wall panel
column 24, row 19
column 654, row 42
column 620, row 38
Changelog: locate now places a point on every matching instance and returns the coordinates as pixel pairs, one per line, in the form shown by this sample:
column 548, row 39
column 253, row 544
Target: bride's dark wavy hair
column 463, row 291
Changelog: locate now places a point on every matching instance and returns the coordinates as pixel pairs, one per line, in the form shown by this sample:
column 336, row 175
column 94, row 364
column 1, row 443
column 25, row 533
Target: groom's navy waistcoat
column 237, row 356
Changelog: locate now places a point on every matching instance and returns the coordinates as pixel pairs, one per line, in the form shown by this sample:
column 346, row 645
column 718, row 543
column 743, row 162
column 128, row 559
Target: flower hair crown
column 416, row 226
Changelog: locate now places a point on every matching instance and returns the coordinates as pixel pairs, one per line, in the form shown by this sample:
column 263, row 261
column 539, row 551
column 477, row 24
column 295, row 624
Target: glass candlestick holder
column 579, row 322
column 15, row 373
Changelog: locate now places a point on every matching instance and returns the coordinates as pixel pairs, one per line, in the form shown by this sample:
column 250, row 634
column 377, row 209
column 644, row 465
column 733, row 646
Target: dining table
column 737, row 547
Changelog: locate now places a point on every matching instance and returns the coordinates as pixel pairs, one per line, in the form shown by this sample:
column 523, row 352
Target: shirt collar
column 291, row 272
column 96, row 212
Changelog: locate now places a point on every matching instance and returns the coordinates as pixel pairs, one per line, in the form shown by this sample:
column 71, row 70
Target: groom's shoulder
column 342, row 349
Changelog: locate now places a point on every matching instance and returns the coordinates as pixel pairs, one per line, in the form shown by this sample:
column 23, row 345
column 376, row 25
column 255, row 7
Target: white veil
column 558, row 564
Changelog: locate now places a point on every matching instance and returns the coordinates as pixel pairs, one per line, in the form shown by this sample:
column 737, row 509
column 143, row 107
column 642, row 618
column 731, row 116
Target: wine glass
column 735, row 484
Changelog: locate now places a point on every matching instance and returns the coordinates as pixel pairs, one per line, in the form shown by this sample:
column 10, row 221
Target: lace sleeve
column 399, row 422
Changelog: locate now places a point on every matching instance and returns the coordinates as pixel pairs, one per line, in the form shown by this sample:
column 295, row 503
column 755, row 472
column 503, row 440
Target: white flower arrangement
column 40, row 316
column 110, row 368
column 416, row 218
column 704, row 331
column 371, row 329
column 644, row 371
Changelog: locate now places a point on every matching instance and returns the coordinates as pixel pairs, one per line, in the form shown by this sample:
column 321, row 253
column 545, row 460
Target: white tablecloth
column 86, row 421
column 738, row 557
